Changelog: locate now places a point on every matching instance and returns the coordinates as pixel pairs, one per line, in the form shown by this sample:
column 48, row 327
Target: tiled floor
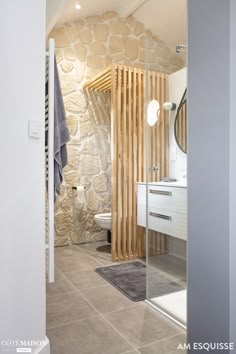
column 171, row 265
column 86, row 315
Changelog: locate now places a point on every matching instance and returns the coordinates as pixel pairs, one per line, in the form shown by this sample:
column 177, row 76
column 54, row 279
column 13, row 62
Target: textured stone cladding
column 83, row 48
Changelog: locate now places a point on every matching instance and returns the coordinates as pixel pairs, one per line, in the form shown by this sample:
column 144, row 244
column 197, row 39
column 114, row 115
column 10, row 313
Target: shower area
column 148, row 199
column 162, row 199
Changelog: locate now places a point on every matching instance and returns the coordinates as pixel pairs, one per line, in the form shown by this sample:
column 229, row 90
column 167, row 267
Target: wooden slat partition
column 98, row 81
column 128, row 129
column 158, row 150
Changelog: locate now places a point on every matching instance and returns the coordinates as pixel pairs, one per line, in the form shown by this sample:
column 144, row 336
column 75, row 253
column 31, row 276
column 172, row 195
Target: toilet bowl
column 103, row 221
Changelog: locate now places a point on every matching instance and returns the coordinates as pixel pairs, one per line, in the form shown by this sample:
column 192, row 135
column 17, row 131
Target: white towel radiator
column 49, row 162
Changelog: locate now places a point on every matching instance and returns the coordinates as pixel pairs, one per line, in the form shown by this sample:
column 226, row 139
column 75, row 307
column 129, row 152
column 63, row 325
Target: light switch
column 35, row 129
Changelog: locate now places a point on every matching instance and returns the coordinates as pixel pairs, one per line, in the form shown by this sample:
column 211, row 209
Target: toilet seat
column 103, row 220
column 103, row 216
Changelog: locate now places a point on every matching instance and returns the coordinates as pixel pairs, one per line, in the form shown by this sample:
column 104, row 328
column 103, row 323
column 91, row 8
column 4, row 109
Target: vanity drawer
column 168, row 222
column 165, row 221
column 167, row 198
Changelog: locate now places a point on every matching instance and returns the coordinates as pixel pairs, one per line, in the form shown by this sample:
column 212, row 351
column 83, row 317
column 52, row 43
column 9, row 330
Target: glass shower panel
column 166, row 274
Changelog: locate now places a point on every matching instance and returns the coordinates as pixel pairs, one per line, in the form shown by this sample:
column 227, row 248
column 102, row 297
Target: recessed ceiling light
column 77, row 7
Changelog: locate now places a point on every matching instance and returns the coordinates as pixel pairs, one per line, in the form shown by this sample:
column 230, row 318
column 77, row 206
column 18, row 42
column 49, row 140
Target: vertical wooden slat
column 149, row 249
column 163, row 147
column 166, row 129
column 114, row 161
column 139, row 161
column 140, row 132
column 119, row 196
column 158, row 130
column 124, row 167
column 154, row 144
column 151, row 156
column 162, row 127
column 130, row 171
column 163, row 243
column 143, row 113
column 150, row 129
column 144, row 125
column 134, row 163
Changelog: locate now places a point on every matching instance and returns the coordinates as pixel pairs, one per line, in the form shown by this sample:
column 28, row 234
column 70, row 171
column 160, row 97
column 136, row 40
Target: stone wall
column 83, row 48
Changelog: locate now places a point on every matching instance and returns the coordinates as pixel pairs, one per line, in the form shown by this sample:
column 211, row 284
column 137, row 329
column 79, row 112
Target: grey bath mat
column 130, row 279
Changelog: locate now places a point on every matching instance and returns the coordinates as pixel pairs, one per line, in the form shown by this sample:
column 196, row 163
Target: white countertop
column 179, row 184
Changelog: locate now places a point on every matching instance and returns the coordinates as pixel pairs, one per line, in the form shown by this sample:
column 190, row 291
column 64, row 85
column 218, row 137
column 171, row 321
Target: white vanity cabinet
column 167, row 211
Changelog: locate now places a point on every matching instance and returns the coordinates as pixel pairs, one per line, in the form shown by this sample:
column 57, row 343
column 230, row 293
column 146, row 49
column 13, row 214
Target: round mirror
column 181, row 124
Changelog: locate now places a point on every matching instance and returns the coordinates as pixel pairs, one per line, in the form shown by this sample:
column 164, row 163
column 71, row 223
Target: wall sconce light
column 153, row 112
column 169, row 106
column 77, row 6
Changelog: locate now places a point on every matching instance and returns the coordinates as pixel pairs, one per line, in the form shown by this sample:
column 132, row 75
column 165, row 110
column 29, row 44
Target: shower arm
column 180, row 47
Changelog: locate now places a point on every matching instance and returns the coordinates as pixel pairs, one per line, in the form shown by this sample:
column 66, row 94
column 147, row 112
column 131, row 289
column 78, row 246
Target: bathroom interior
column 123, row 198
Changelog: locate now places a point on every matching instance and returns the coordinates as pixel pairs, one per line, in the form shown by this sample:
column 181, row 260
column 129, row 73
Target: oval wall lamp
column 77, row 6
column 153, row 112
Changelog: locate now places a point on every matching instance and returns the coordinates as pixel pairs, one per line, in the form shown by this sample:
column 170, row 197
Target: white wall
column 22, row 273
column 178, row 159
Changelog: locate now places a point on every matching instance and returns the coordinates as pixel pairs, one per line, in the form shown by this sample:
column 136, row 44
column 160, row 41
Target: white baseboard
column 45, row 348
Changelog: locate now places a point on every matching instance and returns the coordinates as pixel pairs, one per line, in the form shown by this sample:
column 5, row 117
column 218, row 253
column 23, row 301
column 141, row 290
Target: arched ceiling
column 165, row 18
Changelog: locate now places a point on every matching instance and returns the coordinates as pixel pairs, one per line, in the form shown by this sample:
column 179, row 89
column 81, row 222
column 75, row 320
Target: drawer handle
column 155, row 191
column 161, row 216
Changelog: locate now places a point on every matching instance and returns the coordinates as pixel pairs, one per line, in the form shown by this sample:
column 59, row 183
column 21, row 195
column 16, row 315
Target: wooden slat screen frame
column 128, row 136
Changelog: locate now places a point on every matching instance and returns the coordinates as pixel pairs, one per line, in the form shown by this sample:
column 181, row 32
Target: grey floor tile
column 91, row 336
column 170, row 264
column 161, row 283
column 106, row 299
column 86, row 279
column 62, row 309
column 79, row 262
column 141, row 325
column 167, row 346
column 66, row 251
column 103, row 258
column 60, row 286
column 95, row 247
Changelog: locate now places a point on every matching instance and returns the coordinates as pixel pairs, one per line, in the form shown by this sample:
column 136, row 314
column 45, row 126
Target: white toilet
column 103, row 221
